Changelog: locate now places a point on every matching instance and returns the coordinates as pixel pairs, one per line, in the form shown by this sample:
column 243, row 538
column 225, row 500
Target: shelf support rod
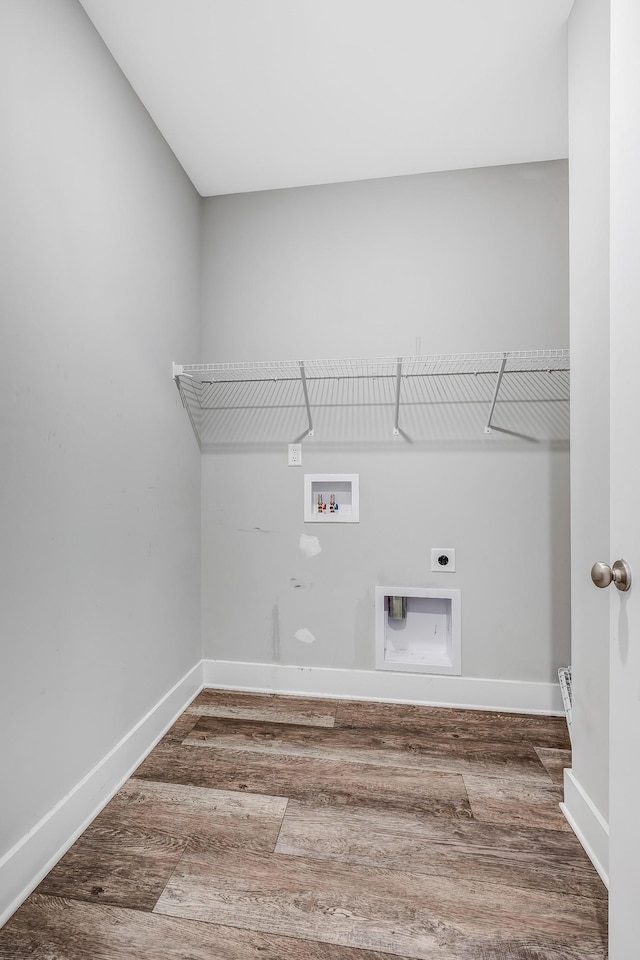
column 396, row 429
column 487, row 429
column 303, row 379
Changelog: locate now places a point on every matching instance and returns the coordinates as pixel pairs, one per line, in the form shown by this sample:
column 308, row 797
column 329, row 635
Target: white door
column 624, row 816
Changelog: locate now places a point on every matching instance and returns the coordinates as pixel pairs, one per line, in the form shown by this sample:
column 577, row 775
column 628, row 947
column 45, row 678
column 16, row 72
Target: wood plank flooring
column 288, row 828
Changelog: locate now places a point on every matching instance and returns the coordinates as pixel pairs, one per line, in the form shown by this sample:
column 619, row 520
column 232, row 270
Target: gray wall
column 461, row 261
column 589, row 246
column 100, row 479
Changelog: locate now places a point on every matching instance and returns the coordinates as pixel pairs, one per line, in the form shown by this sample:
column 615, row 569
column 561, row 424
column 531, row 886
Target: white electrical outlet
column 443, row 560
column 295, row 455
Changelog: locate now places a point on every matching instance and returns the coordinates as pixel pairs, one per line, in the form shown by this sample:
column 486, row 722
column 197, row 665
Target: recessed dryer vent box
column 418, row 630
column 331, row 498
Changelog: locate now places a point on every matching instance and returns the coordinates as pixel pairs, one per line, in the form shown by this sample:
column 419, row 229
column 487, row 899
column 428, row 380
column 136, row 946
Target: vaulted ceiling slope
column 262, row 94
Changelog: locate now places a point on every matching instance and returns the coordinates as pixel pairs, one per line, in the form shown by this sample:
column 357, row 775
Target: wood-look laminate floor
column 284, row 828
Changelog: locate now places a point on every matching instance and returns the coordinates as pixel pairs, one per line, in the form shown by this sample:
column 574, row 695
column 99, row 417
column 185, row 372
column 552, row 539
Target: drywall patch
column 304, row 635
column 310, row 546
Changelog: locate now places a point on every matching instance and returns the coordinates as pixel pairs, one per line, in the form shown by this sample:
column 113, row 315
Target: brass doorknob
column 620, row 574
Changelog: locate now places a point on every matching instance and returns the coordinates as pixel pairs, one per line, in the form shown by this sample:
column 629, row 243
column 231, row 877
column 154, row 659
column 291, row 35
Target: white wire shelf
column 210, row 391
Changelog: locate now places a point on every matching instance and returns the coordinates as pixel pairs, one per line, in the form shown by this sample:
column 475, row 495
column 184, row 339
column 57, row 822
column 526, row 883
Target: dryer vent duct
column 397, row 608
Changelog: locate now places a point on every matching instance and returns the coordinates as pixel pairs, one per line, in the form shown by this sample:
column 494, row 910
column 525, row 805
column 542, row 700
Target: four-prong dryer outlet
column 443, row 560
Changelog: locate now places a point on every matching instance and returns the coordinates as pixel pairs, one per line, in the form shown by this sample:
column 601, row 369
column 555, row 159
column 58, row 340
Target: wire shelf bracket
column 396, row 429
column 487, row 429
column 305, row 390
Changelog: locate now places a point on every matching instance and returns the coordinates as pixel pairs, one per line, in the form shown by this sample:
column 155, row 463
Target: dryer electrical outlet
column 443, row 560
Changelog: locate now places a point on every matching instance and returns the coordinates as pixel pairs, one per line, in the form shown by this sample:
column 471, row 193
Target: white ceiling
column 260, row 94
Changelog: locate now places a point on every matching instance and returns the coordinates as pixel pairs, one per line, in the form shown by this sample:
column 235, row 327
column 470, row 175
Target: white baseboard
column 588, row 824
column 28, row 862
column 470, row 692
